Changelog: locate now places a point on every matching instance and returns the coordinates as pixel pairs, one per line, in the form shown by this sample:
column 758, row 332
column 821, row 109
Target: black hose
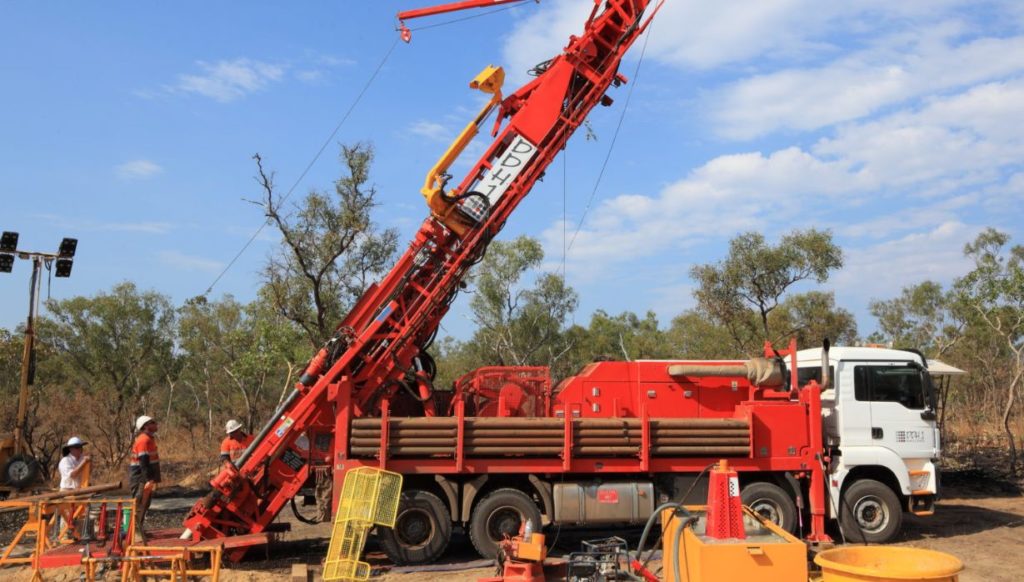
column 650, row 523
column 300, row 517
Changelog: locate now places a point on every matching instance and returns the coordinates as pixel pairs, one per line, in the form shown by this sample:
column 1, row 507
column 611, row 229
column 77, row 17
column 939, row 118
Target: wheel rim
column 503, row 521
column 18, row 469
column 414, row 528
column 769, row 510
column 872, row 514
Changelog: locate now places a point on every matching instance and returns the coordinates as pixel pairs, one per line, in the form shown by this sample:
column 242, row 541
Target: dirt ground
column 979, row 522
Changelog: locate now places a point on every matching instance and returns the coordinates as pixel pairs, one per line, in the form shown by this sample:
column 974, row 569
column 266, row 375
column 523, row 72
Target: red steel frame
column 808, row 462
column 373, row 351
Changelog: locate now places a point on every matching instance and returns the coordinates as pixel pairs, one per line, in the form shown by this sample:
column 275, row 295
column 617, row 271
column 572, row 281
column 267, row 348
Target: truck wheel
column 772, row 503
column 500, row 514
column 422, row 529
column 870, row 513
column 20, row 471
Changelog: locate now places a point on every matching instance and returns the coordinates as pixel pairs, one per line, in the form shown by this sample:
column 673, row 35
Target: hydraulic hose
column 650, row 523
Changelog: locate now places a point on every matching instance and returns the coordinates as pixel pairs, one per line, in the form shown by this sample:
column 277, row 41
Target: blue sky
column 896, row 124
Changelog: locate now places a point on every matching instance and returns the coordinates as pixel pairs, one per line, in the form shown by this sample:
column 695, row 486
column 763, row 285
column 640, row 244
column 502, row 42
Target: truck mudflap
column 923, row 504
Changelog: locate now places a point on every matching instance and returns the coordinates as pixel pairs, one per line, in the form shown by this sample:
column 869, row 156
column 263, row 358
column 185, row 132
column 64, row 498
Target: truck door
column 896, row 393
column 854, row 422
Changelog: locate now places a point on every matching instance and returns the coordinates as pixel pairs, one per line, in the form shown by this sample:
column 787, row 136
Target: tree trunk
column 1011, row 395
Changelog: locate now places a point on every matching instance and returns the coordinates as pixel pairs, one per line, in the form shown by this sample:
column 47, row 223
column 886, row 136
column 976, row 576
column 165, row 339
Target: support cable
column 615, row 136
column 313, row 161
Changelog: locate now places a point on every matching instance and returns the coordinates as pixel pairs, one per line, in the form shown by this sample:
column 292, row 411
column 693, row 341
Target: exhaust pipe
column 826, row 377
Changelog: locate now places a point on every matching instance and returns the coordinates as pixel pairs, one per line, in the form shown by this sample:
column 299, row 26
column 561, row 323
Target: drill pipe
column 702, row 441
column 475, row 451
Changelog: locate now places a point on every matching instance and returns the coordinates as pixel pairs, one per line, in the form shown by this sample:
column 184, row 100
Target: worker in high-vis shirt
column 233, row 445
column 144, row 471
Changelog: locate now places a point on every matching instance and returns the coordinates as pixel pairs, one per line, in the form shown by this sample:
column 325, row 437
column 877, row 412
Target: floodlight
column 63, row 268
column 8, row 241
column 67, row 248
column 6, row 263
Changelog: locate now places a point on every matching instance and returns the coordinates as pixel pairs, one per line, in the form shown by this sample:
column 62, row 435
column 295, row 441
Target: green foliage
column 921, row 317
column 625, row 336
column 813, row 316
column 235, row 360
column 993, row 295
column 11, row 347
column 331, row 248
column 517, row 325
column 694, row 336
column 115, row 347
column 742, row 291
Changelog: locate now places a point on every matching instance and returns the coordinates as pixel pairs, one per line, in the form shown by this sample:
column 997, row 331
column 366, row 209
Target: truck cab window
column 900, row 384
column 805, row 375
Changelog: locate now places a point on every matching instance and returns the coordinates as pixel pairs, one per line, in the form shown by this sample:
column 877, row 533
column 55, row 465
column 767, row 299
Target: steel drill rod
column 702, row 441
column 514, row 442
column 683, row 451
column 698, row 423
column 415, row 442
column 515, row 433
column 503, row 451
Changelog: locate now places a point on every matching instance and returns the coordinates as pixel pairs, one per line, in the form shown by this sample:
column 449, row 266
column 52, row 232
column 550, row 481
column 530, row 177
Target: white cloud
column 186, row 262
column 860, row 83
column 144, row 227
column 309, row 76
column 948, row 155
column 86, row 224
column 696, row 34
column 137, row 170
column 226, row 81
column 881, row 270
column 431, row 130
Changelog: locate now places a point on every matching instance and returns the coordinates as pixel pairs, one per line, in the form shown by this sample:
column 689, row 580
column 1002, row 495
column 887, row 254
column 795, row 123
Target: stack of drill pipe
column 486, row 436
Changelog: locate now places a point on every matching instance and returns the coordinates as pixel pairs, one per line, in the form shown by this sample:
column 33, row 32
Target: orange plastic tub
column 887, row 564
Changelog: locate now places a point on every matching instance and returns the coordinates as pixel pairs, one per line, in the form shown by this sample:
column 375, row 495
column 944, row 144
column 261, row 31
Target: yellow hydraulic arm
column 441, row 204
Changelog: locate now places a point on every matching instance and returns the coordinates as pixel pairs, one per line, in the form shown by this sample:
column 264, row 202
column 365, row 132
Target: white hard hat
column 75, row 442
column 141, row 421
column 232, row 426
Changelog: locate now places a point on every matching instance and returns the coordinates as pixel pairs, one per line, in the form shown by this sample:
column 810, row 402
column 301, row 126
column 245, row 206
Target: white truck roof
column 935, row 367
column 856, row 353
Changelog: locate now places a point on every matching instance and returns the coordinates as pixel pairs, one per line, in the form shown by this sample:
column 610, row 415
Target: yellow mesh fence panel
column 369, row 497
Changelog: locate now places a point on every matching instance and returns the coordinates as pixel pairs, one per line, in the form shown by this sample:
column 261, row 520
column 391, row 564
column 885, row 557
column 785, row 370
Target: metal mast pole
column 28, row 359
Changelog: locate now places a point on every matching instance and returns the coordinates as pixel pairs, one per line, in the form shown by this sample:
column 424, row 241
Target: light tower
column 20, row 469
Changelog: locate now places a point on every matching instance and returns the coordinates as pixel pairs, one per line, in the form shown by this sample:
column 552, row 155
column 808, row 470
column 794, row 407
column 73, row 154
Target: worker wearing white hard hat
column 74, row 467
column 144, row 471
column 233, row 445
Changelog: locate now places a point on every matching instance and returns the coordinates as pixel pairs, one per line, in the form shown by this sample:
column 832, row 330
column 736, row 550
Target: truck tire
column 870, row 513
column 499, row 514
column 772, row 503
column 20, row 471
column 422, row 529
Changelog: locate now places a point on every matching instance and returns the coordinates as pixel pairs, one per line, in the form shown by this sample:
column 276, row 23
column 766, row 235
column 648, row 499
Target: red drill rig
column 377, row 358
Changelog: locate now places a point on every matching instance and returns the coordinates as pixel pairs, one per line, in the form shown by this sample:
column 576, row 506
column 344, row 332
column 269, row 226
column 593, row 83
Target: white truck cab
column 881, row 436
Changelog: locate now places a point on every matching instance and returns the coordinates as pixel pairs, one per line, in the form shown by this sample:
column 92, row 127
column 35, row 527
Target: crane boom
column 444, row 9
column 376, row 362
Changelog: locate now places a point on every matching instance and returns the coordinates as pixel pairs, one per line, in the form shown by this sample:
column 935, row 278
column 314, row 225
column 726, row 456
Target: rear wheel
column 772, row 503
column 422, row 529
column 498, row 515
column 20, row 471
column 871, row 513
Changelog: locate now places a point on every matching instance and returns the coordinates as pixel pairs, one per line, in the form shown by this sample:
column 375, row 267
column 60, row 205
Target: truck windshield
column 900, row 384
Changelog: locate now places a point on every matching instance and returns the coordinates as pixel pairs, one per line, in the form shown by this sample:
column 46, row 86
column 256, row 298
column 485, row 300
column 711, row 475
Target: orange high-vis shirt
column 145, row 463
column 232, row 448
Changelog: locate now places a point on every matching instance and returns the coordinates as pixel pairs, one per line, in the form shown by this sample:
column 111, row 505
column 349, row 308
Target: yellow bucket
column 887, row 564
